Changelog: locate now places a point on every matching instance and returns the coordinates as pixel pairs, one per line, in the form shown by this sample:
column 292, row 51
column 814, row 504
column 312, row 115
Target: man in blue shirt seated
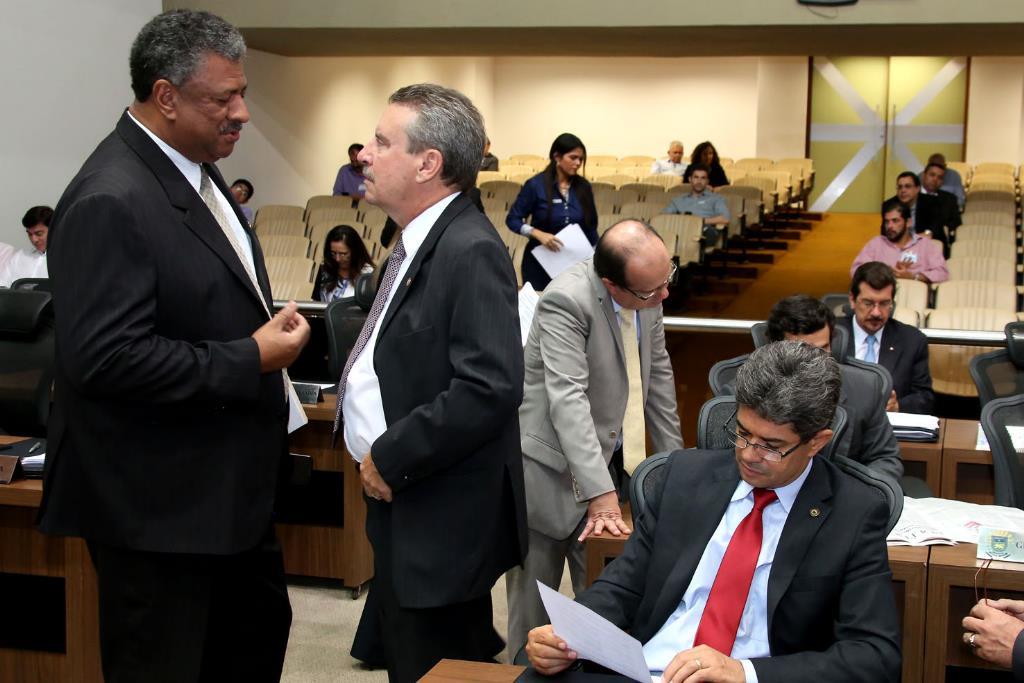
column 350, row 180
column 701, row 201
column 758, row 563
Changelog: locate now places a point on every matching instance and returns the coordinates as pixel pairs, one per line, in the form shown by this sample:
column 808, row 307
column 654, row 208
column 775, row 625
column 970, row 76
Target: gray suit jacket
column 575, row 397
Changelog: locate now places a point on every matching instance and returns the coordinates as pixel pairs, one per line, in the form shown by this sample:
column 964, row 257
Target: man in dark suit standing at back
column 430, row 392
column 169, row 425
column 877, row 337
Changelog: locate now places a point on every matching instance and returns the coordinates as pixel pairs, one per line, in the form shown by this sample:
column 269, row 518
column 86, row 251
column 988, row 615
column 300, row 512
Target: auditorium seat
column 488, row 176
column 289, row 269
column 602, row 160
column 278, row 212
column 641, row 210
column 665, row 180
column 996, row 168
column 643, row 190
column 520, row 178
column 527, row 159
column 338, row 214
column 907, row 316
column 963, row 168
column 911, row 294
column 26, row 361
column 280, row 226
column 979, row 269
column 326, row 201
column 619, row 179
column 285, row 245
column 950, row 364
column 638, row 160
column 372, row 215
column 989, row 249
column 1003, row 234
column 961, row 294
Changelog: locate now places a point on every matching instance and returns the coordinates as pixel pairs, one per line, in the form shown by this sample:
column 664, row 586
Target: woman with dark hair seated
column 556, row 197
column 345, row 259
column 705, row 153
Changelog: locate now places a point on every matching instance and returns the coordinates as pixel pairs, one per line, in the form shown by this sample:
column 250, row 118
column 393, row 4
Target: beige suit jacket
column 575, row 394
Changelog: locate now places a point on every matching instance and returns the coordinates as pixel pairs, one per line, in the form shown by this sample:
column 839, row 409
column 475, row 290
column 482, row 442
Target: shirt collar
column 787, row 494
column 191, row 170
column 415, row 233
column 860, row 334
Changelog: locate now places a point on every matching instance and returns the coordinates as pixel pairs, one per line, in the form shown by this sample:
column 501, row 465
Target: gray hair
column 791, row 382
column 448, row 122
column 175, row 44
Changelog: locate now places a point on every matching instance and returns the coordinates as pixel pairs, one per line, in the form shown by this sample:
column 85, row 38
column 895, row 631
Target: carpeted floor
column 817, row 264
column 324, row 621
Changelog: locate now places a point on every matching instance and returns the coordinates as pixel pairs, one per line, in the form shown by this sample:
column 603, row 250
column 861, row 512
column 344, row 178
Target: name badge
column 556, row 201
column 1000, row 544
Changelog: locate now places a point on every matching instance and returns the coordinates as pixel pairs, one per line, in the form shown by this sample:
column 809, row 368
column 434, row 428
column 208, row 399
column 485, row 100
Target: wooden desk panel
column 909, row 579
column 951, row 572
column 967, row 473
column 924, row 460
column 26, row 551
column 454, row 671
column 323, row 551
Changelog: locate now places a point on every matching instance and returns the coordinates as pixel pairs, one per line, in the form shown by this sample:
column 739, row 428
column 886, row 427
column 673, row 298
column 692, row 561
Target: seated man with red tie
column 759, row 563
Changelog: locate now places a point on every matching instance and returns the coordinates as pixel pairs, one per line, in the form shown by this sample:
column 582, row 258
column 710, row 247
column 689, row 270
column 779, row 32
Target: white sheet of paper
column 528, row 299
column 955, row 519
column 575, row 248
column 593, row 637
column 296, row 414
column 909, row 420
column 1016, row 438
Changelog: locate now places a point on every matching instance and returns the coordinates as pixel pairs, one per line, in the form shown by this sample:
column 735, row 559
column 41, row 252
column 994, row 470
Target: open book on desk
column 937, row 521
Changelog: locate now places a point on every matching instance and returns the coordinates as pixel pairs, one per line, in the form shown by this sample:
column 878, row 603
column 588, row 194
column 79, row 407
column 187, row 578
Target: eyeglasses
column 644, row 296
column 767, row 452
column 868, row 304
column 983, row 571
column 339, row 254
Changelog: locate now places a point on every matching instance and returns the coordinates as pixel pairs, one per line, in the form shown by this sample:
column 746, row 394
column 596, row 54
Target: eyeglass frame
column 645, row 296
column 881, row 305
column 767, row 452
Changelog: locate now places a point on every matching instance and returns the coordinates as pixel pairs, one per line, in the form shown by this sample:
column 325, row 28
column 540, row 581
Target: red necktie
column 721, row 618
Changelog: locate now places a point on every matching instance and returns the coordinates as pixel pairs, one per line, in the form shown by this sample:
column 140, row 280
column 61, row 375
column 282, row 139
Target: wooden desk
column 951, row 571
column 26, row 552
column 924, row 460
column 329, row 550
column 909, row 581
column 967, row 473
column 453, row 670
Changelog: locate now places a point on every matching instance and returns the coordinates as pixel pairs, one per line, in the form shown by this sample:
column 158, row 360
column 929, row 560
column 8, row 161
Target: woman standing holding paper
column 553, row 199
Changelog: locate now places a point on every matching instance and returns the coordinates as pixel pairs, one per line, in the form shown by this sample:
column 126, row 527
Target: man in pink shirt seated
column 910, row 256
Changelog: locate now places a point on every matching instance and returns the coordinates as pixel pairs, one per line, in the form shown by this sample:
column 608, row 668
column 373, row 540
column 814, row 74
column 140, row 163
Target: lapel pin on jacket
column 815, row 512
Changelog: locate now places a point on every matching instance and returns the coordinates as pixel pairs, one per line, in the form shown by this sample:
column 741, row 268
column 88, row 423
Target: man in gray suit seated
column 598, row 379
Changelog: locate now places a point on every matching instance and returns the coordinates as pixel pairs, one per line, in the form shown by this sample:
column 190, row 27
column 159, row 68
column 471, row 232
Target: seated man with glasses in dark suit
column 759, row 563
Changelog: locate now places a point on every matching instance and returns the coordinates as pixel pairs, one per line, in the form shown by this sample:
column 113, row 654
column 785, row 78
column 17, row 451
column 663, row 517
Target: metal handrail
column 684, row 324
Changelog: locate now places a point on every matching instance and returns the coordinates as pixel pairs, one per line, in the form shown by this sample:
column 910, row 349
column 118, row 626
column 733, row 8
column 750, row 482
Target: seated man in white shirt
column 673, row 164
column 758, row 563
column 29, row 263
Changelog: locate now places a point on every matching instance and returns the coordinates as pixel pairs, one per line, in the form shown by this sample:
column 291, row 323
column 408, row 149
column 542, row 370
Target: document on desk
column 593, row 637
column 575, row 248
column 528, row 299
column 1016, row 438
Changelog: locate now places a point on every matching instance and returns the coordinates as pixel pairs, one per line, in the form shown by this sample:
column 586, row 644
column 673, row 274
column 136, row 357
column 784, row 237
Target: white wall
column 995, row 110
column 306, row 111
column 64, row 66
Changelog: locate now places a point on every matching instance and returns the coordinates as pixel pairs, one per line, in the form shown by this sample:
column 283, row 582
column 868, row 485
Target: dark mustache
column 231, row 127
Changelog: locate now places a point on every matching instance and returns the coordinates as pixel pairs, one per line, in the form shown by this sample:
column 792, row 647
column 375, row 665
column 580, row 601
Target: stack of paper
column 32, row 465
column 910, row 427
column 931, row 521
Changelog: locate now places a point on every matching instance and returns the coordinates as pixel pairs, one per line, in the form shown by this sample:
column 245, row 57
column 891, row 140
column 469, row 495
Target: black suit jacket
column 904, row 353
column 450, row 364
column 164, row 436
column 831, row 611
column 937, row 213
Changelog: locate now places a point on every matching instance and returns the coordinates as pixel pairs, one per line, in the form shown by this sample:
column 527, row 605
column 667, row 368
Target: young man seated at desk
column 761, row 563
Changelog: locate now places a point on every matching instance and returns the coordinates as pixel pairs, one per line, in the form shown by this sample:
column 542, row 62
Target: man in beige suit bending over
column 597, row 378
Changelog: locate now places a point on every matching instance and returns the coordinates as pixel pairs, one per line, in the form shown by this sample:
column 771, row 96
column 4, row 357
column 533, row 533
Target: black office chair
column 838, row 303
column 883, row 374
column 840, row 339
column 26, row 361
column 344, row 320
column 885, row 486
column 716, row 413
column 997, row 415
column 40, row 284
column 1001, row 373
column 647, row 476
column 722, row 376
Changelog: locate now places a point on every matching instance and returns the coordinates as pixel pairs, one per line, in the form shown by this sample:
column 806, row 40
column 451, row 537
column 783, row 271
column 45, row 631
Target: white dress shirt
column 193, row 173
column 363, row 407
column 21, row 264
column 678, row 631
column 667, row 166
column 860, row 341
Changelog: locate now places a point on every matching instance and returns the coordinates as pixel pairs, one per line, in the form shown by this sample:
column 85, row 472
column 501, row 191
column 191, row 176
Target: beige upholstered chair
column 971, row 294
column 338, row 214
column 949, row 364
column 989, row 249
column 285, row 245
column 280, row 226
column 269, row 212
column 911, row 294
column 326, row 201
column 980, row 269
